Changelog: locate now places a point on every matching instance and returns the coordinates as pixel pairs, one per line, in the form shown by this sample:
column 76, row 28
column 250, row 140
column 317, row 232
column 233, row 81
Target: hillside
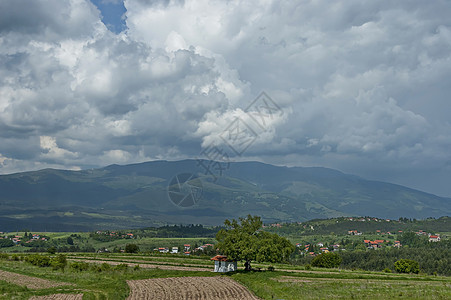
column 137, row 196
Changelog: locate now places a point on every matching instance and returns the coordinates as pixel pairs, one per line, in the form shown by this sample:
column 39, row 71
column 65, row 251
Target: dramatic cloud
column 361, row 86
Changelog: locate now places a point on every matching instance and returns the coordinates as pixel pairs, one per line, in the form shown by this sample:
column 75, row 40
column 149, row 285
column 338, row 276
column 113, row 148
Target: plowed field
column 59, row 297
column 28, row 281
column 201, row 288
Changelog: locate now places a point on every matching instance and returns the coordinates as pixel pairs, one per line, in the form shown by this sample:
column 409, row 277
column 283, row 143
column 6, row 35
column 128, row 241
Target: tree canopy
column 244, row 241
column 327, row 260
column 407, row 266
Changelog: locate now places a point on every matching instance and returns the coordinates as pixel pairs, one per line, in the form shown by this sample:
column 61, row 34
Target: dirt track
column 177, row 288
column 59, row 297
column 28, row 281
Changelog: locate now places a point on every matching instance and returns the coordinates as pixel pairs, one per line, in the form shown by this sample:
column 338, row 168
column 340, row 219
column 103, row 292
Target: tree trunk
column 247, row 265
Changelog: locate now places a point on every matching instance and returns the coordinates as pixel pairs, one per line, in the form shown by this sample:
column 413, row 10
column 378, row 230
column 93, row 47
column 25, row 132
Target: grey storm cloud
column 363, row 85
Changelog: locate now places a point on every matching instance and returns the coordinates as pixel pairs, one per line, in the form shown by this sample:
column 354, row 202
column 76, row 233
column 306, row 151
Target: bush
column 387, row 270
column 271, row 268
column 308, row 267
column 38, row 260
column 6, row 243
column 59, row 262
column 105, row 267
column 121, row 267
column 131, row 248
column 407, row 266
column 79, row 266
column 327, row 260
column 15, row 257
column 4, row 256
column 51, row 250
column 137, row 268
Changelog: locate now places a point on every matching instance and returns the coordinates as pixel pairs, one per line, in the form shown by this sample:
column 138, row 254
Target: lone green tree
column 407, row 266
column 242, row 240
column 131, row 248
column 327, row 260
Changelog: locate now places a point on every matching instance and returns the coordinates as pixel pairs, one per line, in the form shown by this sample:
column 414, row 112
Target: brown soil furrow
column 29, row 281
column 59, row 297
column 188, row 288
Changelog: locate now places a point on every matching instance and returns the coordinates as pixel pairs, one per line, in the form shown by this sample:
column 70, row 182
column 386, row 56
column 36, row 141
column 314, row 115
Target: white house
column 434, row 238
column 222, row 264
column 175, row 250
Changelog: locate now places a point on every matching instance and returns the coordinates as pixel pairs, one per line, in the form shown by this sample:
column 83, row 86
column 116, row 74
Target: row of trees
column 430, row 261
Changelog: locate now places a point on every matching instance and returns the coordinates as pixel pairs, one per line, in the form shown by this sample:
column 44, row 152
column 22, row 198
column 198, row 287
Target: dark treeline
column 180, row 231
column 168, row 231
column 436, row 261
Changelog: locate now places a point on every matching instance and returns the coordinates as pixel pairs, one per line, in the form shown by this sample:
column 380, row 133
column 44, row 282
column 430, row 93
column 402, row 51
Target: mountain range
column 198, row 192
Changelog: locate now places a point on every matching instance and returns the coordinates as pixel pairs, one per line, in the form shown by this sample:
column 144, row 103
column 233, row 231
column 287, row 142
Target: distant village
column 376, row 244
column 30, row 240
column 23, row 240
column 320, row 247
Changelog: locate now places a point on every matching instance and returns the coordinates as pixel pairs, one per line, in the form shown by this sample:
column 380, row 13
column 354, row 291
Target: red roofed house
column 223, row 264
column 375, row 245
column 434, row 238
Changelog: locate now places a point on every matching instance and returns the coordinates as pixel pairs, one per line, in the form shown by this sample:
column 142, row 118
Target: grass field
column 105, row 276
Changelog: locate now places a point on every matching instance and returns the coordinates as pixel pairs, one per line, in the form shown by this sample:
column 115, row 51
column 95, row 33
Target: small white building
column 222, row 264
column 175, row 250
column 434, row 238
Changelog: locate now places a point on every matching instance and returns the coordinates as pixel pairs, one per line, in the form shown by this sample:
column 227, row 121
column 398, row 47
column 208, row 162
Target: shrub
column 79, row 266
column 105, row 267
column 51, row 250
column 387, row 270
column 407, row 266
column 271, row 268
column 59, row 262
column 96, row 268
column 121, row 267
column 131, row 248
column 15, row 257
column 327, row 260
column 308, row 267
column 137, row 268
column 38, row 260
column 6, row 243
column 4, row 256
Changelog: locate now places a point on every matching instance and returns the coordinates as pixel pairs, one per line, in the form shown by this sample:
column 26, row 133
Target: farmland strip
column 29, row 281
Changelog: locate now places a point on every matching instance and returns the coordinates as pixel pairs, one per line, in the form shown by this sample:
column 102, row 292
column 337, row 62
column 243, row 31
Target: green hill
column 137, row 196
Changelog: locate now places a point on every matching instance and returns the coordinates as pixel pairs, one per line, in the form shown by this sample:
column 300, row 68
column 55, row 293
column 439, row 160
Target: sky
column 358, row 86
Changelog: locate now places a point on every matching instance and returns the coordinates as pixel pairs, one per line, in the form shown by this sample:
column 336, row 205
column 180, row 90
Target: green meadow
column 104, row 276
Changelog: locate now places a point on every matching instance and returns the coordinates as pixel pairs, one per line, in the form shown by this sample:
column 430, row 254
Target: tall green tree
column 327, row 260
column 131, row 248
column 407, row 266
column 243, row 240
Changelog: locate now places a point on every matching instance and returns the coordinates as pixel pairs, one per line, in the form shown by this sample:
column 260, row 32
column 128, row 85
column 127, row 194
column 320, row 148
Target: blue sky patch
column 112, row 14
